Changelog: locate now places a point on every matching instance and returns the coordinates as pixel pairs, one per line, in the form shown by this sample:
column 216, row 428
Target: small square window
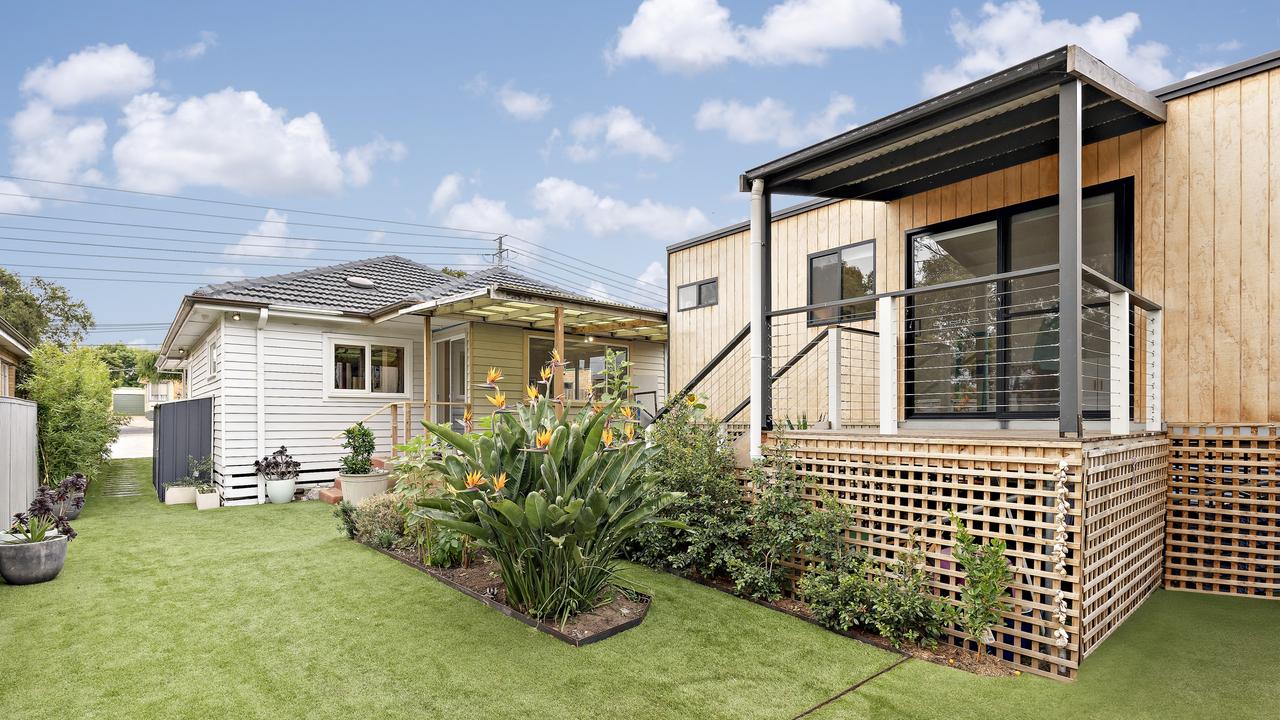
column 387, row 365
column 841, row 274
column 348, row 367
column 698, row 294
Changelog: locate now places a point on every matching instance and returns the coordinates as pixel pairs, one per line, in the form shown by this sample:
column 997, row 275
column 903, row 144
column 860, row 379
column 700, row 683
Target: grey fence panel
column 183, row 428
column 18, row 476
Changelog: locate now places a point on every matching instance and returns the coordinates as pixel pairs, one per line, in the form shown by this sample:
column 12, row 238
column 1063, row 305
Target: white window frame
column 405, row 345
column 5, row 390
column 214, row 362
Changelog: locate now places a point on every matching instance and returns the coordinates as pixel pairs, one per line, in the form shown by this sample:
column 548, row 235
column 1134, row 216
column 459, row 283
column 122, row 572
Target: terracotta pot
column 28, row 563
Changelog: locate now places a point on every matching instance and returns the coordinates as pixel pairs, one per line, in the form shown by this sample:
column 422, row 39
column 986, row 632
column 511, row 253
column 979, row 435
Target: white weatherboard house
column 295, row 359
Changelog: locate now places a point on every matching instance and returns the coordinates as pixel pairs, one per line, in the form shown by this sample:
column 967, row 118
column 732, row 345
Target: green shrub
column 360, row 445
column 346, row 514
column 552, row 499
column 986, row 579
column 378, row 520
column 692, row 457
column 902, row 607
column 76, row 424
column 433, row 544
column 840, row 596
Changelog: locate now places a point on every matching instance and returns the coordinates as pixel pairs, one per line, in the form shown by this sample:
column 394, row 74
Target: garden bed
column 943, row 654
column 481, row 580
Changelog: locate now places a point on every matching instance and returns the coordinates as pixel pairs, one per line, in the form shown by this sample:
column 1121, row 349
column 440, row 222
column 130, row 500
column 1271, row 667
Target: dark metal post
column 1069, row 259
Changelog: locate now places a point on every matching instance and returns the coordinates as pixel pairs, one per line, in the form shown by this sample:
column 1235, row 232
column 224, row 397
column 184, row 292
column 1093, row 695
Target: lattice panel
column 1123, row 530
column 1223, row 512
column 902, row 486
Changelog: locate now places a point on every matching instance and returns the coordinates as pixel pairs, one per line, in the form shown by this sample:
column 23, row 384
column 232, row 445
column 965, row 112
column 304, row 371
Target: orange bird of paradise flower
column 596, row 408
column 606, row 437
column 630, row 431
column 545, row 373
column 531, row 393
column 474, row 478
column 498, row 399
column 629, row 413
column 543, row 438
column 500, row 481
column 555, row 357
column 493, row 376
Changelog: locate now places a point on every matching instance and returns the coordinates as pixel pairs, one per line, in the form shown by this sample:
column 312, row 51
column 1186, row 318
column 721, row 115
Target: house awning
column 994, row 123
column 536, row 310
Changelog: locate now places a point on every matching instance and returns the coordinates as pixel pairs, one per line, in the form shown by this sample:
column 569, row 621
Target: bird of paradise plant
column 493, row 377
column 498, row 400
column 531, row 393
column 563, row 515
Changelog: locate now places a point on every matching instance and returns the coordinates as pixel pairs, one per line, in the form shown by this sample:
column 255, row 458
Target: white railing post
column 1119, row 363
column 887, row 326
column 1155, row 383
column 835, row 335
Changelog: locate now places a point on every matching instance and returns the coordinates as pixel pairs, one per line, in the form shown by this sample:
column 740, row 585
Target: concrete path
column 134, row 440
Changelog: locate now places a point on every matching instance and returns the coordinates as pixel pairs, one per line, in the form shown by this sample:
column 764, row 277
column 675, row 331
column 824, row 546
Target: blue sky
column 603, row 131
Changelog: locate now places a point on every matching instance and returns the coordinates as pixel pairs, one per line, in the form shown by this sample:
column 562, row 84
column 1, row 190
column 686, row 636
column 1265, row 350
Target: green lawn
column 267, row 612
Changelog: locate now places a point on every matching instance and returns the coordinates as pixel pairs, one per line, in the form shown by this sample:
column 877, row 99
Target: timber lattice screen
column 1223, row 533
column 900, row 487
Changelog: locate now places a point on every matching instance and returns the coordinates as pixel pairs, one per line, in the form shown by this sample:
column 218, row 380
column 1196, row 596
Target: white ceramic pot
column 281, row 491
column 358, row 487
column 179, row 495
column 207, row 501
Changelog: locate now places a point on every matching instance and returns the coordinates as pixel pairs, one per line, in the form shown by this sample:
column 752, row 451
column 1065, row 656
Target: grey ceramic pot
column 28, row 563
column 68, row 509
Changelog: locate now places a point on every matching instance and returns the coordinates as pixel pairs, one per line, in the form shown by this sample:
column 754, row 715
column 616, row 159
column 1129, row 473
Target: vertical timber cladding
column 1223, row 533
column 902, row 487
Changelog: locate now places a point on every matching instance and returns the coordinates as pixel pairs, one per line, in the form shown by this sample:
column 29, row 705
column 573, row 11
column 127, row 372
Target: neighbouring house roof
column 503, row 277
column 13, row 341
column 393, row 278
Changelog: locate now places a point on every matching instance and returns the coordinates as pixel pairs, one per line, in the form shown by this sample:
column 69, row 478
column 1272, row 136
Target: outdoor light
column 590, row 339
column 235, row 316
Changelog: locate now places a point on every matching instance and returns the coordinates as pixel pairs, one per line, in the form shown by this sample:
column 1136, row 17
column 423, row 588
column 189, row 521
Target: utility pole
column 500, row 254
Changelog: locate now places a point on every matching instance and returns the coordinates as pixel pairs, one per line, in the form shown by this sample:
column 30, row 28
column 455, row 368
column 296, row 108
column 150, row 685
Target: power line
column 632, row 290
column 549, row 276
column 232, row 234
column 245, row 205
column 138, row 272
column 579, row 260
column 248, row 263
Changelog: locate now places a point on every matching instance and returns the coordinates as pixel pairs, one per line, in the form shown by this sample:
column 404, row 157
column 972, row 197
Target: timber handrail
column 397, row 404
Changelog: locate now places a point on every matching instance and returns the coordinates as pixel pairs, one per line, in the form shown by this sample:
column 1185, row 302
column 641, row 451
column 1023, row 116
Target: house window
column 367, row 366
column 992, row 349
column 584, row 364
column 5, row 390
column 703, row 293
column 212, row 350
column 840, row 274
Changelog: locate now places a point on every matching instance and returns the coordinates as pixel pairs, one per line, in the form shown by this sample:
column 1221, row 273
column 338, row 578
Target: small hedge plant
column 360, row 445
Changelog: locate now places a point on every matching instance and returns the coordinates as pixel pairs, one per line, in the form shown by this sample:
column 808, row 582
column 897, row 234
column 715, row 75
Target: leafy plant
column 378, row 519
column 199, row 475
column 902, row 607
column 552, row 499
column 70, row 492
column 360, row 444
column 778, row 526
column 434, row 545
column 346, row 514
column 279, row 465
column 987, row 578
column 43, row 311
column 76, row 425
column 42, row 517
column 840, row 596
column 615, row 380
column 693, row 458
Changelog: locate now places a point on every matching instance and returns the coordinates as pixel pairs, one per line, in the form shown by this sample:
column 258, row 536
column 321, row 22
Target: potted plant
column 35, row 547
column 280, row 471
column 182, row 491
column 358, row 477
column 206, row 493
column 68, row 495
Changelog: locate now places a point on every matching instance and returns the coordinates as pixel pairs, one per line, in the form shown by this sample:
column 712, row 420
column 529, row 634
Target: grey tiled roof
column 394, row 278
column 503, row 277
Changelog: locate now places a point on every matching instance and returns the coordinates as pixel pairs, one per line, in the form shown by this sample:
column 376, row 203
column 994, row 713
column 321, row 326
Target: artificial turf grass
column 268, row 612
column 166, row 612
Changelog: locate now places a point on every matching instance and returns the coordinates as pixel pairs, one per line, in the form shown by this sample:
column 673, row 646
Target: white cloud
column 447, row 192
column 50, row 146
column 653, row 278
column 597, row 290
column 695, row 35
column 773, row 121
column 1201, row 69
column 565, row 203
column 617, row 130
column 208, row 40
column 522, row 105
column 235, row 140
column 359, row 160
column 100, row 72
column 489, row 215
column 1013, row 32
column 14, row 200
column 268, row 239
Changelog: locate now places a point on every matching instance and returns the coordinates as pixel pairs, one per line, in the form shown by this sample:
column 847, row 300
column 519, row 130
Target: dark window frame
column 697, row 284
column 1123, row 189
column 869, row 314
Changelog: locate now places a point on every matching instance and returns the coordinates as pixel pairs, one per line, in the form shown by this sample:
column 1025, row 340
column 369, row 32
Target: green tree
column 43, row 311
column 129, row 367
column 76, row 426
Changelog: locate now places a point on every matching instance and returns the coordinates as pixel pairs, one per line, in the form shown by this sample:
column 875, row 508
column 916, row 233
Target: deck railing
column 969, row 348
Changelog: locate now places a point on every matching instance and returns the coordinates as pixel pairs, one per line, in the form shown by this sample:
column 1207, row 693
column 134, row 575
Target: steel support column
column 1069, row 200
column 761, row 340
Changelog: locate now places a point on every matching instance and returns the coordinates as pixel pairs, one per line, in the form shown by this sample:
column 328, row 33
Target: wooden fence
column 1223, row 532
column 18, row 476
column 1082, row 520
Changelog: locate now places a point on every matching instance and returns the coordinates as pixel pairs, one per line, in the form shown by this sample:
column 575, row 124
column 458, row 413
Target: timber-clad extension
column 965, row 387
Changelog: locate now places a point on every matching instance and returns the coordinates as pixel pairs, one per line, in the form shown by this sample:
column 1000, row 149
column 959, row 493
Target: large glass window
column 584, row 365
column 359, row 366
column 840, row 274
column 993, row 348
column 387, row 368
